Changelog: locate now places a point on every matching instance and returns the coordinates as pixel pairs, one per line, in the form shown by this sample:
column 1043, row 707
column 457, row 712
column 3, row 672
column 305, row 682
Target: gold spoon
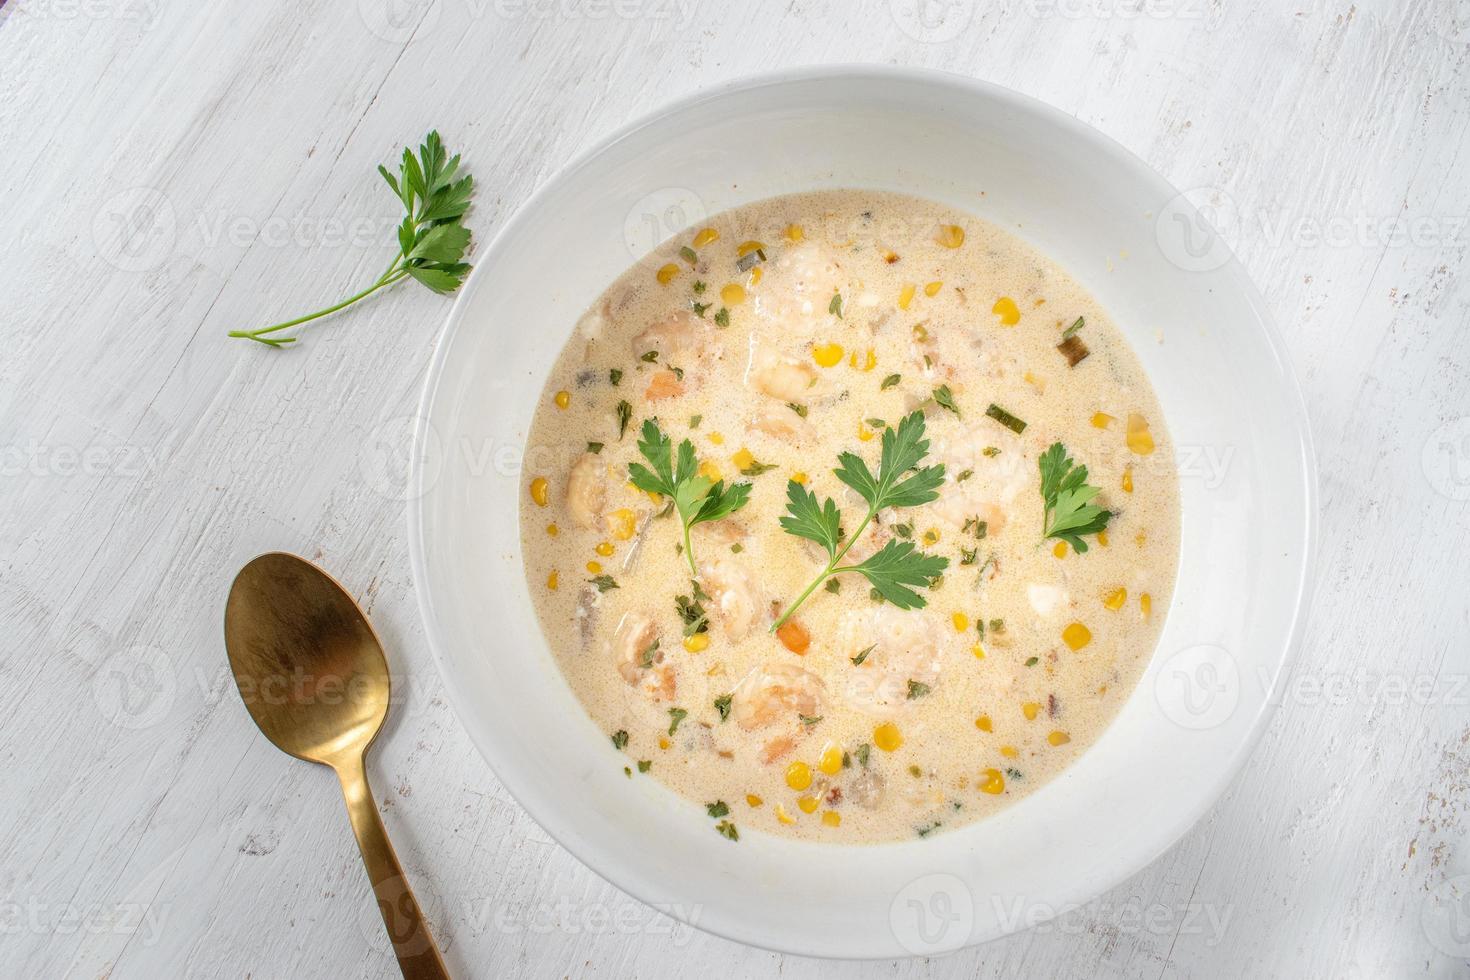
column 312, row 674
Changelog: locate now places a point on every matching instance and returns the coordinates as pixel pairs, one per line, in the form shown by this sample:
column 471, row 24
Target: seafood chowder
column 849, row 517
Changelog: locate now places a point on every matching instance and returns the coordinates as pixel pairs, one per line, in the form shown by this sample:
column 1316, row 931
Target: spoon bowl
column 309, row 666
column 313, row 676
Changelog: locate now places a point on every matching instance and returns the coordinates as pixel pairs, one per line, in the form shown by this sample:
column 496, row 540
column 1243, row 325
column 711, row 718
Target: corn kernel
column 620, row 523
column 795, row 233
column 604, row 548
column 1114, row 598
column 666, row 274
column 1102, row 538
column 1140, row 538
column 563, row 399
column 828, row 355
column 710, row 471
column 1101, row 420
column 1009, row 751
column 799, row 477
column 1006, row 309
column 794, row 637
column 978, row 651
column 696, row 643
column 1146, row 603
column 538, row 491
column 905, row 296
column 742, row 458
column 594, row 567
column 798, row 776
column 864, row 434
column 934, row 287
column 831, row 761
column 781, row 814
column 745, row 248
column 961, row 622
column 950, row 236
column 992, row 782
column 752, row 800
column 869, row 361
column 807, row 804
column 1140, row 440
column 663, row 742
column 886, row 736
column 756, row 275
column 984, row 724
column 1060, row 549
column 1059, row 738
column 1076, row 636
column 1128, row 479
column 552, row 530
column 705, row 236
column 733, row 294
column 716, row 438
column 1029, row 709
column 551, row 581
column 832, row 818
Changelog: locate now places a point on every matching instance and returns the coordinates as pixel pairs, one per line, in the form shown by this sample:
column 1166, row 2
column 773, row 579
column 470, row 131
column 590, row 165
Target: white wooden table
column 172, row 170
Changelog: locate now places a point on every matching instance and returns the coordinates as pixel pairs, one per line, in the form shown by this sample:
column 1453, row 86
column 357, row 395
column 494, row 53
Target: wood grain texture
column 172, row 171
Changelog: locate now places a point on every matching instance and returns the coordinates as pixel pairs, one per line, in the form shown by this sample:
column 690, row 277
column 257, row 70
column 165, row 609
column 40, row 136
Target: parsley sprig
column 1070, row 512
column 697, row 499
column 431, row 240
column 896, row 568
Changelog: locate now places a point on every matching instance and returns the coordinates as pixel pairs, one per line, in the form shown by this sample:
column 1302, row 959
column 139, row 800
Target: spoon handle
column 418, row 957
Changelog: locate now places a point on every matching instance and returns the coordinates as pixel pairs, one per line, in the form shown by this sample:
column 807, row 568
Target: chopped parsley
column 604, row 583
column 717, row 809
column 676, row 715
column 945, row 398
column 722, row 705
column 862, row 655
column 619, row 739
column 917, row 690
column 890, row 381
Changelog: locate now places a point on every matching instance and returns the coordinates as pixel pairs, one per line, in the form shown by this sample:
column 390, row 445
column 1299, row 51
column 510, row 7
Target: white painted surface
column 145, row 457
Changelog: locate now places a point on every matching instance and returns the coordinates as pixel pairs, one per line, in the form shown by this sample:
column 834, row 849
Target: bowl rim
column 962, row 86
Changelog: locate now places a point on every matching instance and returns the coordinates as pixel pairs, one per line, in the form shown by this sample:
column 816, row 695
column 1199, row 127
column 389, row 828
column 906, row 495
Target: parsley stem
column 388, row 278
column 688, row 548
column 831, row 569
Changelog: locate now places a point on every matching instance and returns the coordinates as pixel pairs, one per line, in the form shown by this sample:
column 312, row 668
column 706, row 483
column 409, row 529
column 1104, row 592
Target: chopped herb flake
column 1006, row 418
column 890, row 381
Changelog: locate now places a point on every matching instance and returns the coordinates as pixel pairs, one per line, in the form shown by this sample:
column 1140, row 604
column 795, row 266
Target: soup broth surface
column 773, row 338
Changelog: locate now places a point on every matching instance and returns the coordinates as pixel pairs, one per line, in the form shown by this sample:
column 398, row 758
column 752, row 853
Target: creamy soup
column 805, row 527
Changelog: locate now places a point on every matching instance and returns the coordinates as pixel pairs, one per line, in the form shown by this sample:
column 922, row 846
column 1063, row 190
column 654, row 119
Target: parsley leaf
column 676, row 715
column 1067, row 497
column 432, row 239
column 945, row 399
column 677, row 477
column 898, row 566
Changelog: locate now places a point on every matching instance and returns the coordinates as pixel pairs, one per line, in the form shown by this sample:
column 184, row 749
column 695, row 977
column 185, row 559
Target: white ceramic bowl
column 1232, row 407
